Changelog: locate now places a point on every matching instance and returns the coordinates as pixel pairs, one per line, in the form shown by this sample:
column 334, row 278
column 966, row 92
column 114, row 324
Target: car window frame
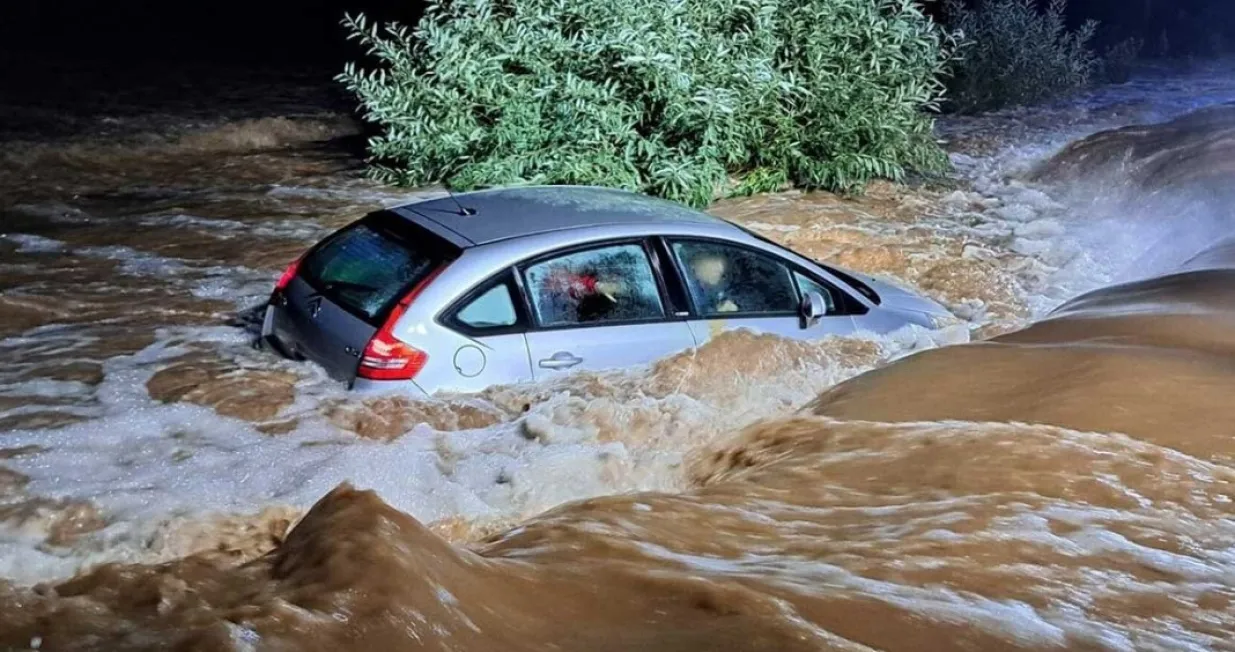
column 450, row 316
column 669, row 307
column 846, row 306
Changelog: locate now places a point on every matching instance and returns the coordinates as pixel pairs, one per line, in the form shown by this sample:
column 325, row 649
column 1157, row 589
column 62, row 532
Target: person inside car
column 712, row 286
column 594, row 299
column 600, row 304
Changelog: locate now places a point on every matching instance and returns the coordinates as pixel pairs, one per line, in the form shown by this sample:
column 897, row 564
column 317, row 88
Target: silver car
column 519, row 284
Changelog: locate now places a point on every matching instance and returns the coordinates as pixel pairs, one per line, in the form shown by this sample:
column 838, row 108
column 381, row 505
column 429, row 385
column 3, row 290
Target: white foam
column 28, row 243
column 1091, row 237
column 142, row 462
column 367, row 194
column 213, row 225
column 135, row 262
column 46, row 388
column 764, row 226
column 241, row 285
column 306, row 230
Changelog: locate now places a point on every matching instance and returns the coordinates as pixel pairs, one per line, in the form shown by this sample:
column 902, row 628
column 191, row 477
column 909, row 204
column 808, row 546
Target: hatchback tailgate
column 345, row 287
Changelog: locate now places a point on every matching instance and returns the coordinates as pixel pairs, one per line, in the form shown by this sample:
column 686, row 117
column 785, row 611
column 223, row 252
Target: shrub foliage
column 1014, row 53
column 685, row 99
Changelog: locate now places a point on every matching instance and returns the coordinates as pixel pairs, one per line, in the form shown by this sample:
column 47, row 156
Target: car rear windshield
column 368, row 266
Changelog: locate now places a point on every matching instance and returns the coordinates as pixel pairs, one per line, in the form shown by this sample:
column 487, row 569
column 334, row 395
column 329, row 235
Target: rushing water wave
column 1065, row 482
column 971, row 525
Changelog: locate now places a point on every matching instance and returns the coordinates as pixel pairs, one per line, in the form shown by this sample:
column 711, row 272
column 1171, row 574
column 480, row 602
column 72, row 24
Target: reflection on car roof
column 504, row 213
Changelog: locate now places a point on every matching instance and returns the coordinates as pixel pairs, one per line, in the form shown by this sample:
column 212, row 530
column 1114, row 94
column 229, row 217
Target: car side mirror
column 813, row 308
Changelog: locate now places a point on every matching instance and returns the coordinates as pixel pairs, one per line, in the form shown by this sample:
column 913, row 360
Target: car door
column 599, row 307
column 734, row 286
column 489, row 343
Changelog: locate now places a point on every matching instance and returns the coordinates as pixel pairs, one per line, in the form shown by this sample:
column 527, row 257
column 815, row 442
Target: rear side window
column 368, row 266
column 494, row 308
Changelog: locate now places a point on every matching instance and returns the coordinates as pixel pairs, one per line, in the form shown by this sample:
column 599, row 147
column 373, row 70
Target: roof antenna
column 462, row 210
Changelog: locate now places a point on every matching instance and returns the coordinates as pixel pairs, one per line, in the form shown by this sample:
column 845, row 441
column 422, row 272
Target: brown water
column 1065, row 483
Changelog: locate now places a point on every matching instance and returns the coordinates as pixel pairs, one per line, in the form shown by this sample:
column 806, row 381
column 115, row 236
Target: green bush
column 1013, row 53
column 685, row 99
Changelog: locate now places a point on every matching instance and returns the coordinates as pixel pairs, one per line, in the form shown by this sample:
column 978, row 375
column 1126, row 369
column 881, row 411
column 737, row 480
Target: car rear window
column 368, row 266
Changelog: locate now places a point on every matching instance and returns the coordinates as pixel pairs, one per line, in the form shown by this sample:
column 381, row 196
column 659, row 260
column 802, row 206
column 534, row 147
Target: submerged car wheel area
column 516, row 284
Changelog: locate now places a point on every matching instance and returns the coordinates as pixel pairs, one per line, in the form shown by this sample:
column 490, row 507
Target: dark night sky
column 278, row 31
column 156, row 30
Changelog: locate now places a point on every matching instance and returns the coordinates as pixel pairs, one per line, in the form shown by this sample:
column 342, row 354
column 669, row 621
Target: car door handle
column 560, row 360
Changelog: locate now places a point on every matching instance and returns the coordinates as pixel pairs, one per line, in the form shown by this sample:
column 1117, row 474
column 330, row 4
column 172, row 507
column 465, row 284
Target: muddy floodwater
column 1055, row 470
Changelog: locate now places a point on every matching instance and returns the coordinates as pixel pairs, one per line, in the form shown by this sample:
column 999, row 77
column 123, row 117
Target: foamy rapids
column 1063, row 482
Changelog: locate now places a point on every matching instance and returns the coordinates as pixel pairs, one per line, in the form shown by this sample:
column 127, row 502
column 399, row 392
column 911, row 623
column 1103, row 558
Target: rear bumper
column 270, row 339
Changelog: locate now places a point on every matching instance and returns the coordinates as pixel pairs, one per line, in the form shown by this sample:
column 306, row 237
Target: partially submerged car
column 517, row 284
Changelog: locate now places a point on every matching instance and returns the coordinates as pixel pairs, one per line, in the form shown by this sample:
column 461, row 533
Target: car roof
column 513, row 212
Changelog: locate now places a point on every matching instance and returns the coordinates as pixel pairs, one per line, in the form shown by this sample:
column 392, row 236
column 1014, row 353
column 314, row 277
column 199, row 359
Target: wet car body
column 453, row 293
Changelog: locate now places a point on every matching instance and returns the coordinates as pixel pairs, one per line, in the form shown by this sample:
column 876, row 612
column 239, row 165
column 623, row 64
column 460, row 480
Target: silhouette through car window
column 724, row 279
column 608, row 284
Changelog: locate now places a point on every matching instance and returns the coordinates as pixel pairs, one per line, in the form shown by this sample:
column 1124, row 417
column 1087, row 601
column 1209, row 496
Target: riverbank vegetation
column 695, row 99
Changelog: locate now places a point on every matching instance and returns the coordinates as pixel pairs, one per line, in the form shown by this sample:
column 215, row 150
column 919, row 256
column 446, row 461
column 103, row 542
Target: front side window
column 725, row 279
column 607, row 284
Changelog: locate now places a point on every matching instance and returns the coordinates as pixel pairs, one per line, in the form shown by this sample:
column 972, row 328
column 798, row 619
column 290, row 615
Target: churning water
column 1064, row 482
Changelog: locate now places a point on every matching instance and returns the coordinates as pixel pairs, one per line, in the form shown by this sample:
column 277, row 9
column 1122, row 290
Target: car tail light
column 288, row 275
column 386, row 357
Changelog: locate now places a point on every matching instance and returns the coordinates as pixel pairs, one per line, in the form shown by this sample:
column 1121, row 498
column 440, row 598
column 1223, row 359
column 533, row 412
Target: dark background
column 223, row 31
column 279, row 32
